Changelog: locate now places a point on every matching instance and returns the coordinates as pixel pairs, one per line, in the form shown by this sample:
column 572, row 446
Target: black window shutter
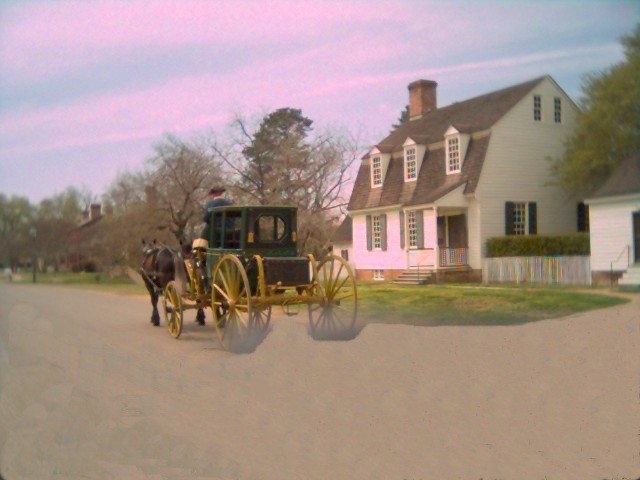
column 369, row 234
column 401, row 229
column 509, row 228
column 383, row 231
column 583, row 217
column 533, row 218
column 420, row 228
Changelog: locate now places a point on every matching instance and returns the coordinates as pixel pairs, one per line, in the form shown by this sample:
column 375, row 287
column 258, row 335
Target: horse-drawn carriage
column 248, row 265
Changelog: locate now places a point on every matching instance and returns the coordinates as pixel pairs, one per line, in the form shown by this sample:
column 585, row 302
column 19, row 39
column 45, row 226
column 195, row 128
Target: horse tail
column 180, row 275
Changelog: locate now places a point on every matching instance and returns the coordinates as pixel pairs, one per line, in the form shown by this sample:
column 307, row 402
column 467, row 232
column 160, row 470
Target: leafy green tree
column 276, row 158
column 404, row 116
column 608, row 124
column 55, row 217
column 16, row 220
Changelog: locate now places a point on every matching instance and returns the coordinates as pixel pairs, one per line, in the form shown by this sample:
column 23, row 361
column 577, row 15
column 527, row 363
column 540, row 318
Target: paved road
column 90, row 390
column 86, row 381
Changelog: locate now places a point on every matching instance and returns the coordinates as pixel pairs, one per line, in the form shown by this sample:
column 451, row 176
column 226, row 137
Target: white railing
column 454, row 257
column 625, row 250
column 565, row 270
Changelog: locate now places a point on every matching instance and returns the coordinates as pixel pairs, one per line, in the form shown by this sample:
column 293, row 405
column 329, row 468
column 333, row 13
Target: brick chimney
column 422, row 97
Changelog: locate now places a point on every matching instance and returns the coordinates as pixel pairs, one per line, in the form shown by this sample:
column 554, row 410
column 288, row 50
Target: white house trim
column 384, row 158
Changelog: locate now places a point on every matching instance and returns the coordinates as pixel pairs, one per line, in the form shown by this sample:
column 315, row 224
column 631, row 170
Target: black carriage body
column 268, row 231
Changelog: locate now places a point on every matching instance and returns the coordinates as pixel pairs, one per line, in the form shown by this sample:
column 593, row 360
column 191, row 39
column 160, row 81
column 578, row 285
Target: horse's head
column 185, row 248
column 148, row 248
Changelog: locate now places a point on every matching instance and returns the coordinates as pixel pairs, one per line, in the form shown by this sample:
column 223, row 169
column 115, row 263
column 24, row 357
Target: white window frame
column 410, row 164
column 557, row 110
column 376, row 171
column 378, row 275
column 454, row 162
column 412, row 229
column 376, row 233
column 537, row 108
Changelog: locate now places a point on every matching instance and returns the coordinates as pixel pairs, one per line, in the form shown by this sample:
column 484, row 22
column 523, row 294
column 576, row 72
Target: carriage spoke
column 334, row 317
column 221, row 291
column 234, row 323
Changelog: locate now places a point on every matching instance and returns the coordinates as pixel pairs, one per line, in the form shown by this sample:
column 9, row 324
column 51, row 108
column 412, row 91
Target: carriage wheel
column 231, row 304
column 260, row 319
column 173, row 309
column 334, row 317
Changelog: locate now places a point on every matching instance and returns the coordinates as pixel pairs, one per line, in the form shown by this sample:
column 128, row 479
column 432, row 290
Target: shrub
column 538, row 245
column 90, row 266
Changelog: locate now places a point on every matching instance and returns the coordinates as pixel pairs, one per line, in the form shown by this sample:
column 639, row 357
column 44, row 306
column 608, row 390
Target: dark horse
column 159, row 266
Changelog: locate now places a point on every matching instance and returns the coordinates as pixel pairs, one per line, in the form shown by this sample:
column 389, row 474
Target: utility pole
column 34, row 259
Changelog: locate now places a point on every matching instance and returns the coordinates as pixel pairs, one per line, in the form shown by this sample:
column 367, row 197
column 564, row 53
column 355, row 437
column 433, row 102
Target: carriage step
column 291, row 310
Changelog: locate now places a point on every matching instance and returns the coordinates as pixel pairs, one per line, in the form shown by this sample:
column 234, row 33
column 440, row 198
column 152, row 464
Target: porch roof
column 625, row 179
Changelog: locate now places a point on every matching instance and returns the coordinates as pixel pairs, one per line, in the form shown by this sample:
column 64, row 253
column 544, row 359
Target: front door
column 636, row 236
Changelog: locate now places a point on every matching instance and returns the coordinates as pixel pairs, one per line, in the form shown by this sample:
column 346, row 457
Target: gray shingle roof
column 624, row 180
column 470, row 116
column 344, row 232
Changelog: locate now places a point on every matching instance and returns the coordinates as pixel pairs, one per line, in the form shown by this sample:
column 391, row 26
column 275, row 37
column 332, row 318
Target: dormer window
column 456, row 144
column 376, row 171
column 379, row 165
column 453, row 155
column 410, row 164
column 413, row 155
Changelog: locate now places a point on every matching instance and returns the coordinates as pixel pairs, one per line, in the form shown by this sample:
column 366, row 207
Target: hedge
column 538, row 245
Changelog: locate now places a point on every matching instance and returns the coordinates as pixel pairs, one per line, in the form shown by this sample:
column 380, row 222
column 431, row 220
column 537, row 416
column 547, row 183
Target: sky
column 87, row 88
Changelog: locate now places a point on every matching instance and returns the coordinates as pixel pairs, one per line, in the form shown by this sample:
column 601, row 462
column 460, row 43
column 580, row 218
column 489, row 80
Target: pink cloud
column 48, row 37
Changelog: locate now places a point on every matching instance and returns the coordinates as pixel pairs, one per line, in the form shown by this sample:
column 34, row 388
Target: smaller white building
column 614, row 219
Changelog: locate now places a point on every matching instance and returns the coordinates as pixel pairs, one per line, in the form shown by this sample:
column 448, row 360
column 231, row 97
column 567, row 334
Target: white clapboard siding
column 611, row 233
column 516, row 167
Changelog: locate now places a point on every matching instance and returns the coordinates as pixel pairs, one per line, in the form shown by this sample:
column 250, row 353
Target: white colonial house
column 614, row 219
column 430, row 194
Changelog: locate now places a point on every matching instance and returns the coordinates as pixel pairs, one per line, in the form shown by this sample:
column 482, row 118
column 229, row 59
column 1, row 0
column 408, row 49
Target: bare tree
column 279, row 162
column 179, row 176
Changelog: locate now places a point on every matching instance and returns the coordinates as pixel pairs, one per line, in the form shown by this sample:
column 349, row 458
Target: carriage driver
column 215, row 199
column 200, row 245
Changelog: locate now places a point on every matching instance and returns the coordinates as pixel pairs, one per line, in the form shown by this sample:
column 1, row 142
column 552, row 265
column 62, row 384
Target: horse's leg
column 200, row 316
column 155, row 316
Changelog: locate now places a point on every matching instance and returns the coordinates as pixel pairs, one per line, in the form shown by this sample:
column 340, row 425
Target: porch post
column 437, row 243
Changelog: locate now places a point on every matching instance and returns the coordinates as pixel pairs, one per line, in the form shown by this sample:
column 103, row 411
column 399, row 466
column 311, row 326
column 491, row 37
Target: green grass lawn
column 427, row 305
column 474, row 304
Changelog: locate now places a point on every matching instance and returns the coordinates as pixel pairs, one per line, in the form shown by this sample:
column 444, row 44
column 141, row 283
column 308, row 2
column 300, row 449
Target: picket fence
column 569, row 270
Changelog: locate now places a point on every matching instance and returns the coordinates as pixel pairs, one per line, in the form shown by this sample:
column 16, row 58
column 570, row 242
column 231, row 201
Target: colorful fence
column 573, row 270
